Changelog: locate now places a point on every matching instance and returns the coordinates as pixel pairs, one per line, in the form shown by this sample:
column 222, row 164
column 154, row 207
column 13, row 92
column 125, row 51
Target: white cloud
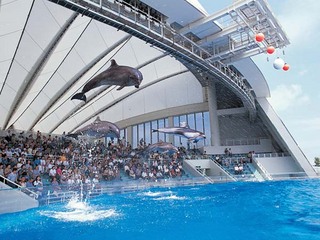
column 286, row 96
column 303, row 72
column 309, row 124
column 300, row 19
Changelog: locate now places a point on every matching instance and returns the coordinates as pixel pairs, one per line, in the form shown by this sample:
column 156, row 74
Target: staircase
column 233, row 166
column 16, row 199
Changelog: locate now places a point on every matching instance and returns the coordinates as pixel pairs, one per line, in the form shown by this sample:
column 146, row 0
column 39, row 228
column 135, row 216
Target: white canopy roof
column 48, row 53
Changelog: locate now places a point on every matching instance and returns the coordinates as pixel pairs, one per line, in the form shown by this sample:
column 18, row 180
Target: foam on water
column 79, row 211
column 171, row 197
column 157, row 194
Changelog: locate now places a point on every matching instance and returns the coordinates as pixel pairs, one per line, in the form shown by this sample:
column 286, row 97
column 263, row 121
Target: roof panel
column 29, row 52
column 42, row 25
column 9, row 40
column 13, row 15
column 16, row 78
column 4, row 113
column 8, row 94
column 57, row 12
column 4, row 66
column 25, row 119
column 72, row 55
column 74, row 32
column 24, row 105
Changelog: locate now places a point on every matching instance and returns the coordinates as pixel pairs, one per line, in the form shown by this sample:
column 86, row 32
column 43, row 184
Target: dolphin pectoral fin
column 79, row 96
column 119, row 88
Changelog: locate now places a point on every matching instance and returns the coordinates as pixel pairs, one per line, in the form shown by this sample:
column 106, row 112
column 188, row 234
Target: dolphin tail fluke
column 80, row 96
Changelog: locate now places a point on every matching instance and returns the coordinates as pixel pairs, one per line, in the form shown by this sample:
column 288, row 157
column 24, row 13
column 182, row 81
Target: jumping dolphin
column 161, row 147
column 99, row 129
column 182, row 131
column 115, row 75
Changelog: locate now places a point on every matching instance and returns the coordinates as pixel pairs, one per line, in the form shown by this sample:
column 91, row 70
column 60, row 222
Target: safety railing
column 241, row 141
column 12, row 184
column 222, row 169
column 270, row 155
column 262, row 169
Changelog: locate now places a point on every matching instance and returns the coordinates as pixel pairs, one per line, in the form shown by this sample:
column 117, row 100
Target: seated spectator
column 1, row 169
column 22, row 182
column 37, row 183
column 236, row 169
column 55, row 186
column 13, row 176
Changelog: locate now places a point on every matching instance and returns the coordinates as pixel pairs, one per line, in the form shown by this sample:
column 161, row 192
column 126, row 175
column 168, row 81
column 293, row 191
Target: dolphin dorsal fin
column 184, row 125
column 113, row 63
column 97, row 120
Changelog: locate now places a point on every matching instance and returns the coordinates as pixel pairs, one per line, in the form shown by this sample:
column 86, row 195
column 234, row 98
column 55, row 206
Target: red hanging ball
column 270, row 49
column 286, row 67
column 259, row 37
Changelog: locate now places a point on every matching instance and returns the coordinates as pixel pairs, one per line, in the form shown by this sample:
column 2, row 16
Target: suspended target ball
column 270, row 49
column 286, row 67
column 259, row 37
column 278, row 64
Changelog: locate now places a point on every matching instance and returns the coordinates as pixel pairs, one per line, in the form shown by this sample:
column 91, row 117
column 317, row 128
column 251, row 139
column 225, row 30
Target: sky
column 295, row 94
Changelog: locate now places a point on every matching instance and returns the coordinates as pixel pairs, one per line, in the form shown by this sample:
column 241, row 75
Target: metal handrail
column 262, row 168
column 271, row 155
column 229, row 174
column 22, row 189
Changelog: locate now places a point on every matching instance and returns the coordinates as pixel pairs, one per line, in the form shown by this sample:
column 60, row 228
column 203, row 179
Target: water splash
column 171, row 197
column 166, row 195
column 157, row 194
column 79, row 211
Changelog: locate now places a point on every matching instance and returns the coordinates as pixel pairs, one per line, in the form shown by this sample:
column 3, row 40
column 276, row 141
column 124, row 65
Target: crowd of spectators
column 235, row 164
column 36, row 159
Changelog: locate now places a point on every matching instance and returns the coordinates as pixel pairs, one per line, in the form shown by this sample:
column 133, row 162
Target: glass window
column 199, row 121
column 123, row 133
column 166, row 124
column 182, row 118
column 134, row 136
column 141, row 132
column 176, row 121
column 161, row 125
column 191, row 121
column 199, row 127
column 154, row 137
column 147, row 132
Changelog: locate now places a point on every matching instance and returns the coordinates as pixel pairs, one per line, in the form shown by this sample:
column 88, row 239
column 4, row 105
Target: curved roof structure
column 48, row 53
column 191, row 61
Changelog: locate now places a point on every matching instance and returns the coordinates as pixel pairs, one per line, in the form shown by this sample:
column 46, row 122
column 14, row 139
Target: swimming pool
column 267, row 210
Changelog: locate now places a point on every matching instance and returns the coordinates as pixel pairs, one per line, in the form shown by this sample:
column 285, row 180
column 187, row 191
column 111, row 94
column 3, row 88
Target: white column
column 213, row 113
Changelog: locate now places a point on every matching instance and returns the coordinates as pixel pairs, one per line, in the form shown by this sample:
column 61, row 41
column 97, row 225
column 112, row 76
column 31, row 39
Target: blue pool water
column 269, row 210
